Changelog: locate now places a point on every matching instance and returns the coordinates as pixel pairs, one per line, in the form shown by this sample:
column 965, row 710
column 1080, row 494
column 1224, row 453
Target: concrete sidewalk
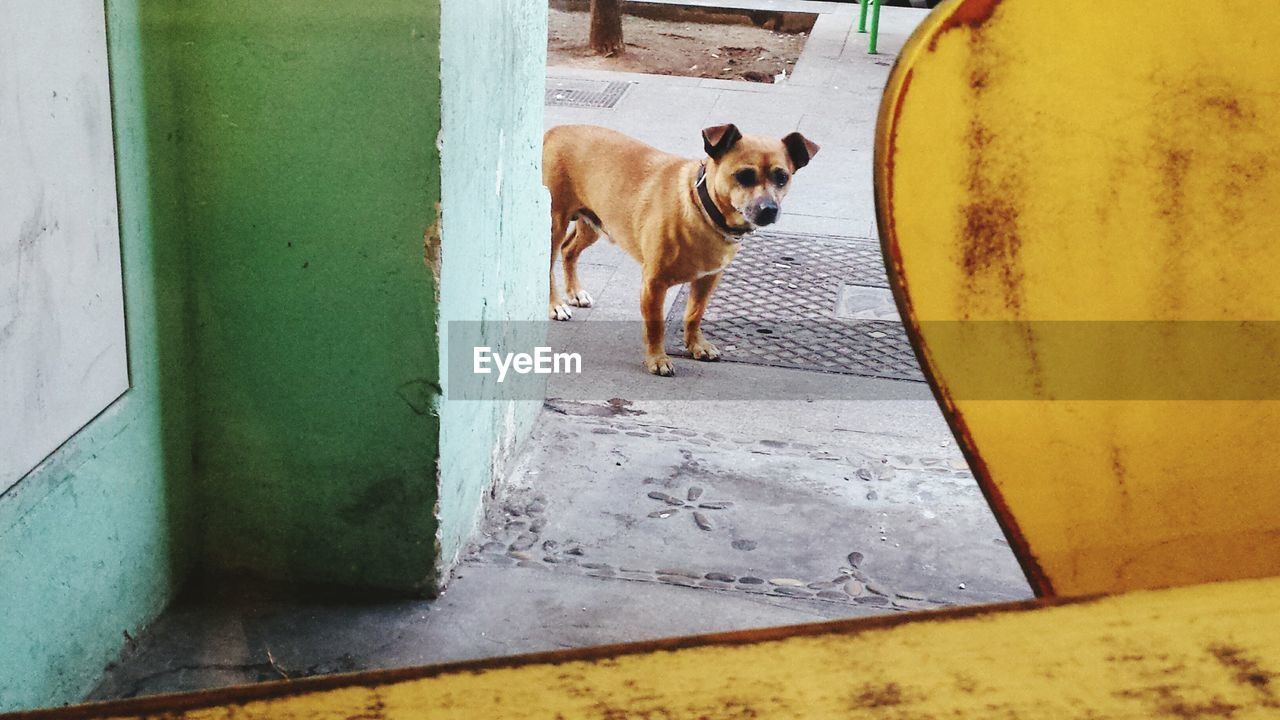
column 644, row 517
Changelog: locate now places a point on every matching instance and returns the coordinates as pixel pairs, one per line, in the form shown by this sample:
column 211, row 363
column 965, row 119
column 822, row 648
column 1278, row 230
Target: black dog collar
column 713, row 212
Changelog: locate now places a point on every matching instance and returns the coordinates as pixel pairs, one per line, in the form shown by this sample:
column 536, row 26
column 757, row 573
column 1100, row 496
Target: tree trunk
column 606, row 27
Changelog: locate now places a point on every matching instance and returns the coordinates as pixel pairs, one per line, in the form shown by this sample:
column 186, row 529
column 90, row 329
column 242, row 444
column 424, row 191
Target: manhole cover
column 801, row 301
column 584, row 93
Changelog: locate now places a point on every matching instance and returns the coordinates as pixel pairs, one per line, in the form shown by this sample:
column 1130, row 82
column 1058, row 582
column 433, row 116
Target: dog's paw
column 560, row 311
column 581, row 299
column 660, row 365
column 705, row 351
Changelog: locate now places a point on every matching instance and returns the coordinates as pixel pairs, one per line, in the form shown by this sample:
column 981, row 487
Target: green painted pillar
column 308, row 174
column 355, row 177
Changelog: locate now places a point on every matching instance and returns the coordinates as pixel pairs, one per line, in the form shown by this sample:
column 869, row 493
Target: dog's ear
column 720, row 139
column 800, row 148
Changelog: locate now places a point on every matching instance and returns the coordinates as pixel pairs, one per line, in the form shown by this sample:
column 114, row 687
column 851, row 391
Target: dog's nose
column 767, row 213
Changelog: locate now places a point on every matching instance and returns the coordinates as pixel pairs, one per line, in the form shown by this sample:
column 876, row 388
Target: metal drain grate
column 584, row 93
column 784, row 302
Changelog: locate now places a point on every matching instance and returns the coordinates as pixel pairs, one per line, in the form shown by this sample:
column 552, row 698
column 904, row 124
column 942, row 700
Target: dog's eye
column 746, row 177
column 780, row 177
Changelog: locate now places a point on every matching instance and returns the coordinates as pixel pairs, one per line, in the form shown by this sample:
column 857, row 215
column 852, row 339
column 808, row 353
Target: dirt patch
column 665, row 47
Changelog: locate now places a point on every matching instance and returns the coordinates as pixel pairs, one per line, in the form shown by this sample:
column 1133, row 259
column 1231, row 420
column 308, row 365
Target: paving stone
column 876, row 589
column 832, row 595
column 493, row 546
column 695, row 492
column 786, row 582
column 524, row 542
column 662, row 514
column 745, row 545
column 793, row 592
column 596, row 566
column 680, row 572
column 674, row 580
column 666, row 498
column 521, row 555
column 749, row 580
column 853, row 588
column 531, row 564
column 911, row 595
column 856, row 558
column 702, row 521
column 872, row 600
column 823, row 585
column 720, row 577
column 715, row 505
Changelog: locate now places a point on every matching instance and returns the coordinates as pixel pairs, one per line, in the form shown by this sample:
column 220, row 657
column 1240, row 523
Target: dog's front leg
column 699, row 293
column 652, row 298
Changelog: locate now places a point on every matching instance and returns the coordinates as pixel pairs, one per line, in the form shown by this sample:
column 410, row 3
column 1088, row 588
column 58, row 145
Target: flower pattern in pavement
column 675, row 506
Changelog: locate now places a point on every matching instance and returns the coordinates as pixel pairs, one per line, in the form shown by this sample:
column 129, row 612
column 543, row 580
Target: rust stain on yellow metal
column 1209, row 651
column 1081, row 210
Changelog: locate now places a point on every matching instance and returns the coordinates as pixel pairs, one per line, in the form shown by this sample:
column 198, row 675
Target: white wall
column 62, row 341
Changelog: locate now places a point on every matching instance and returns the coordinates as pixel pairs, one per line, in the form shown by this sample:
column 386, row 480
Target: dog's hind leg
column 556, row 309
column 584, row 234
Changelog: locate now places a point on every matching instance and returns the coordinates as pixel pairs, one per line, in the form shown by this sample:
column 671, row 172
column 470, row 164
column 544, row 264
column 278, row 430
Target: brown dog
column 681, row 219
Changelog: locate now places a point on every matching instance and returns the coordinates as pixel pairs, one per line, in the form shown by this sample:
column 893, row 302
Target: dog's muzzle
column 763, row 212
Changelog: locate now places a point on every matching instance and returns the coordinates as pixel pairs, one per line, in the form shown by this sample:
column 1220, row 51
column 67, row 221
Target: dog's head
column 751, row 174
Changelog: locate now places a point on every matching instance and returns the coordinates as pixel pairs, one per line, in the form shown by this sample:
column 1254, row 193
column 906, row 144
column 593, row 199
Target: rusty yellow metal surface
column 1209, row 651
column 1080, row 205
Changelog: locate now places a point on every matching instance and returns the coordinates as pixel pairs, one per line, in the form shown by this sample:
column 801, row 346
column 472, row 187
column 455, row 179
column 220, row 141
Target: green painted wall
column 496, row 227
column 307, row 134
column 95, row 541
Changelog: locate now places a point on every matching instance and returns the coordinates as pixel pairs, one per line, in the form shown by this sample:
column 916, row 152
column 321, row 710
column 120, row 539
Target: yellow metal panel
column 1200, row 652
column 1080, row 204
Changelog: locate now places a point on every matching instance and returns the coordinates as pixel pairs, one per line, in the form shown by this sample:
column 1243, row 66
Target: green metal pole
column 875, row 27
column 862, row 17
